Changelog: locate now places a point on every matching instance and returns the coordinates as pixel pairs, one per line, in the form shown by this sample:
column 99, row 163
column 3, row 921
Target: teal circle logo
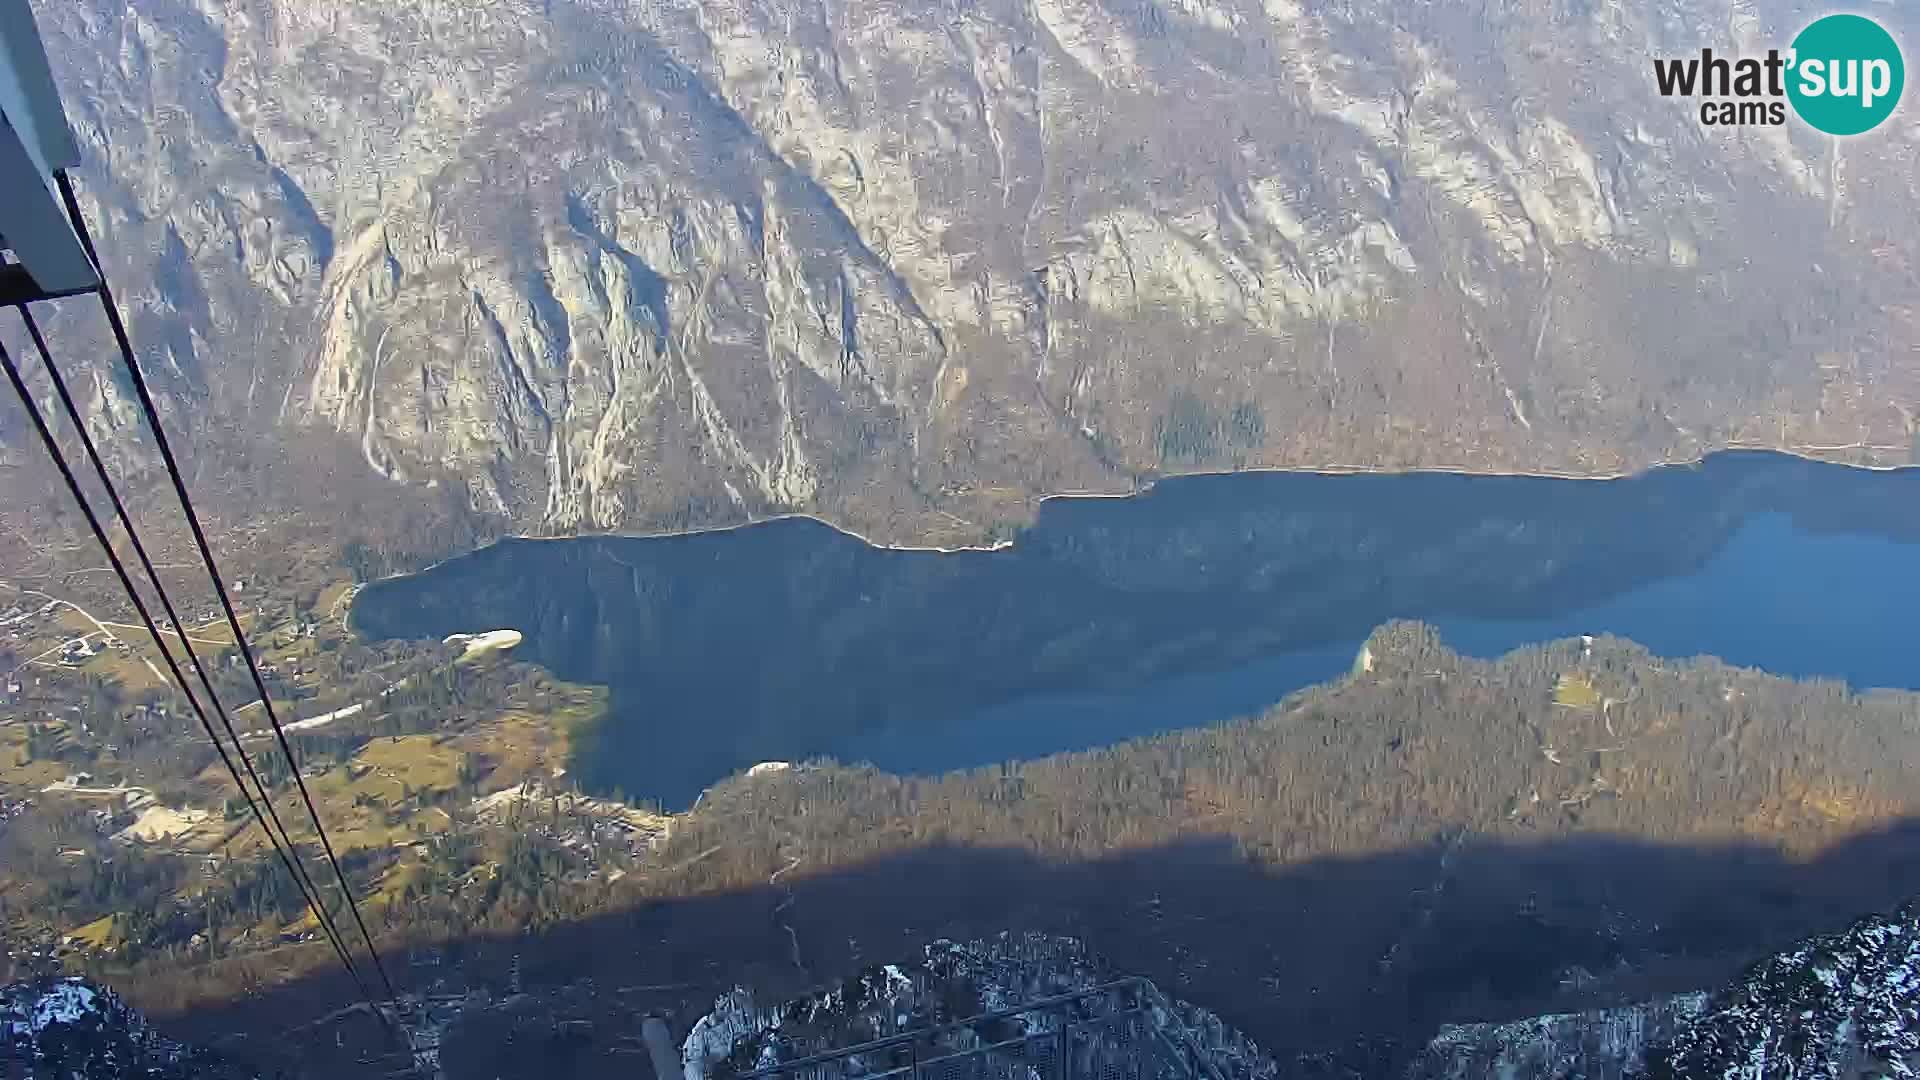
column 1847, row 75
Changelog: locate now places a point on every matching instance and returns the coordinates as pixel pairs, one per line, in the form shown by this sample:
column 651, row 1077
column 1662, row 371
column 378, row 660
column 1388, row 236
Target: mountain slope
column 955, row 981
column 1842, row 1004
column 71, row 1029
column 606, row 266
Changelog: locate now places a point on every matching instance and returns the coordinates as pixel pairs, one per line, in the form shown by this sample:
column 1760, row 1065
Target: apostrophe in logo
column 1843, row 75
column 1847, row 75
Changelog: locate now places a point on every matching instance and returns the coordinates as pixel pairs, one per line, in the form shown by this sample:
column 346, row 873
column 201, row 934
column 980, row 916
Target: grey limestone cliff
column 907, row 264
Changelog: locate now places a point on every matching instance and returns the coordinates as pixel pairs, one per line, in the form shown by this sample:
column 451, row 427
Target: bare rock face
column 1845, row 1004
column 620, row 266
column 956, row 981
column 1602, row 1044
column 1841, row 1004
column 72, row 1029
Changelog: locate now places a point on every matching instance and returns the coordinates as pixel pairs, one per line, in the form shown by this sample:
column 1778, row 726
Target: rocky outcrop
column 1841, row 1004
column 628, row 267
column 1845, row 1004
column 1837, row 1005
column 1602, row 1044
column 957, row 981
column 71, row 1029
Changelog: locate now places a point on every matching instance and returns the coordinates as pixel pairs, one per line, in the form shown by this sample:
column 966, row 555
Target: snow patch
column 66, row 1003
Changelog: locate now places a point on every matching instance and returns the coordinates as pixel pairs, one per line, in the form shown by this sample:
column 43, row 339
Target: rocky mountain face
column 1601, row 1044
column 71, row 1029
column 1845, row 1004
column 1841, row 1004
column 609, row 266
column 955, row 981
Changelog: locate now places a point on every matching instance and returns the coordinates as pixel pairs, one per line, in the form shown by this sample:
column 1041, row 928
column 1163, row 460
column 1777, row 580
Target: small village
column 438, row 766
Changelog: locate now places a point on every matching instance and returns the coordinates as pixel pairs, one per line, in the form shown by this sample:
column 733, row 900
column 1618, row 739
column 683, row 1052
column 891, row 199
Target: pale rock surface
column 903, row 265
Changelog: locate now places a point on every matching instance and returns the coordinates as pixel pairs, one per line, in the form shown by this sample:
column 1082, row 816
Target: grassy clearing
column 97, row 934
column 386, row 893
column 1576, row 692
column 374, row 799
column 26, row 779
column 383, row 796
column 300, row 648
column 20, row 776
column 409, row 763
column 520, row 745
column 128, row 669
column 329, row 604
column 130, row 666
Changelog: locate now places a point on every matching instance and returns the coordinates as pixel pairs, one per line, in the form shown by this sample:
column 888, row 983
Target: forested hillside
column 1432, row 839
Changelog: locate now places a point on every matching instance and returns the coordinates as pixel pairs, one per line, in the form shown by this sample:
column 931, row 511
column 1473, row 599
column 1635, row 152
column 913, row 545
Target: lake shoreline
column 1124, row 617
column 1802, row 455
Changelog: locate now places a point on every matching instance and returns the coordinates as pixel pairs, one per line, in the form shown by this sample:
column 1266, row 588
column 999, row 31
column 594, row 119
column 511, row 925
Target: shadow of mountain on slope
column 1337, row 966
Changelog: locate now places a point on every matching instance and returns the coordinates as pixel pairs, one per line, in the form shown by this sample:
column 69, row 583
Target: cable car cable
column 206, row 556
column 304, row 879
column 146, row 619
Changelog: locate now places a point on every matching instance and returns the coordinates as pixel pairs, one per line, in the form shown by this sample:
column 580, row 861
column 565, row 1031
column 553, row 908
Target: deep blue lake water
column 1205, row 599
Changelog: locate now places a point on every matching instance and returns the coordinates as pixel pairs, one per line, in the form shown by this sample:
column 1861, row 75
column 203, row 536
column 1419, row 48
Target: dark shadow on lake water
column 1204, row 599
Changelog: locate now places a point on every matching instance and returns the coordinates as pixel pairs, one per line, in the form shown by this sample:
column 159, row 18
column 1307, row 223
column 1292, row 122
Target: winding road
column 105, row 628
column 786, row 904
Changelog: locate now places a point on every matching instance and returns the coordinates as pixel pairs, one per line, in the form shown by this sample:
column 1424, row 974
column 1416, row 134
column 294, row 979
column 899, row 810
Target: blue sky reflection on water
column 1775, row 597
